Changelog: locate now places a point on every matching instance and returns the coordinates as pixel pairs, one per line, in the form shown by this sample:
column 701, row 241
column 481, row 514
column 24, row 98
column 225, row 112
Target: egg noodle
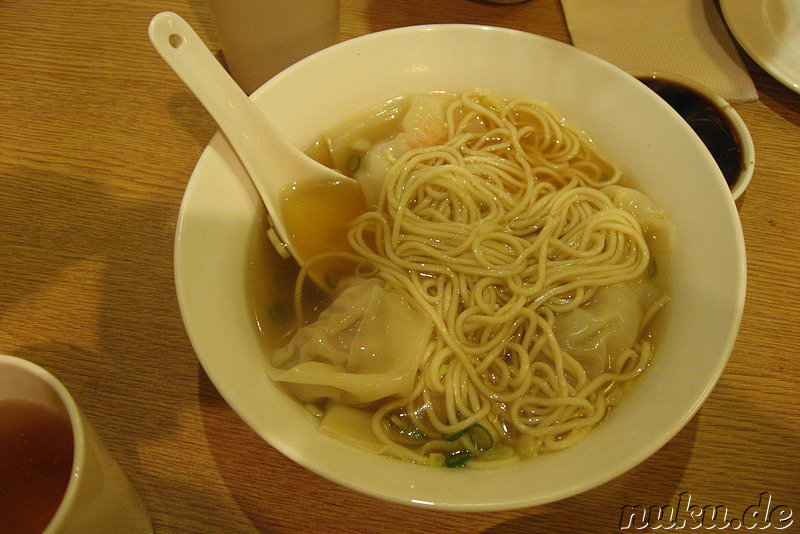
column 493, row 233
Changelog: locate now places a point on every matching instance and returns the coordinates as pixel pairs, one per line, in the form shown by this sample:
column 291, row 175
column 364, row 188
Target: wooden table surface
column 99, row 138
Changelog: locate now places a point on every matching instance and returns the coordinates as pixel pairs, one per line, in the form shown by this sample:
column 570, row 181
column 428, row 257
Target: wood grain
column 98, row 140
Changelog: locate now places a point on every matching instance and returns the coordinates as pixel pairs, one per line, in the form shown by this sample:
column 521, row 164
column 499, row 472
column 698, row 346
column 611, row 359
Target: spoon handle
column 253, row 137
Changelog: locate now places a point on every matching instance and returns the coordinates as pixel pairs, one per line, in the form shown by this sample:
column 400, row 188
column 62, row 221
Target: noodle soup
column 493, row 301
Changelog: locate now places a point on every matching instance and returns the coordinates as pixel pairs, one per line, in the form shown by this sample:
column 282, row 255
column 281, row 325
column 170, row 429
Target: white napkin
column 686, row 37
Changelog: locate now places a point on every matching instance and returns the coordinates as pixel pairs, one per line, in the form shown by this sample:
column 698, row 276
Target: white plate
column 769, row 31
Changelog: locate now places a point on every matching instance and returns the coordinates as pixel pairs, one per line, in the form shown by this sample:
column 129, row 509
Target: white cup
column 98, row 497
column 260, row 38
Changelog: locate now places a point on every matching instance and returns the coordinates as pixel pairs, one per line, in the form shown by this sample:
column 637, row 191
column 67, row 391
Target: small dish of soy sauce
column 714, row 121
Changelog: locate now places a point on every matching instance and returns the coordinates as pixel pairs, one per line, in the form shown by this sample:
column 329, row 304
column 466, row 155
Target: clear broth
column 316, row 218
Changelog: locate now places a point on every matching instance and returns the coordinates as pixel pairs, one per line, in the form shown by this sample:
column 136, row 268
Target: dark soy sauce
column 708, row 122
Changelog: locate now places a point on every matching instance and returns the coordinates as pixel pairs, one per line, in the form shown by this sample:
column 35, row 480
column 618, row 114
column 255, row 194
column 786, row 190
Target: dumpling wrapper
column 656, row 227
column 367, row 345
column 424, row 124
column 600, row 330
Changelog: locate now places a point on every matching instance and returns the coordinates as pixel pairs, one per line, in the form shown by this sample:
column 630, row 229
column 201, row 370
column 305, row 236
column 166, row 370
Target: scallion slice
column 458, row 459
column 353, row 163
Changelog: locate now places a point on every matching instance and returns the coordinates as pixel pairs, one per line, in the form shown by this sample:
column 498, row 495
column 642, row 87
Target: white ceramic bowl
column 221, row 216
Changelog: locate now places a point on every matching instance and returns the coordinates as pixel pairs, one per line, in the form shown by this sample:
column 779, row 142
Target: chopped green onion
column 458, row 435
column 407, row 428
column 353, row 163
column 435, row 459
column 653, row 268
column 360, row 145
column 488, row 441
column 458, row 459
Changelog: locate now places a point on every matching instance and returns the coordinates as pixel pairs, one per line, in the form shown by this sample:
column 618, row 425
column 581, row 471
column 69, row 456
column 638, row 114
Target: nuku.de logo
column 685, row 515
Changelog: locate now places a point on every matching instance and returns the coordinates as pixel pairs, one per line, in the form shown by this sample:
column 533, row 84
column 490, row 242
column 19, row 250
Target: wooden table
column 99, row 138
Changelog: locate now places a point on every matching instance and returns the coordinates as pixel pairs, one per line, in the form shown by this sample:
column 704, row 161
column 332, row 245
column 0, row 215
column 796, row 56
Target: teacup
column 57, row 474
